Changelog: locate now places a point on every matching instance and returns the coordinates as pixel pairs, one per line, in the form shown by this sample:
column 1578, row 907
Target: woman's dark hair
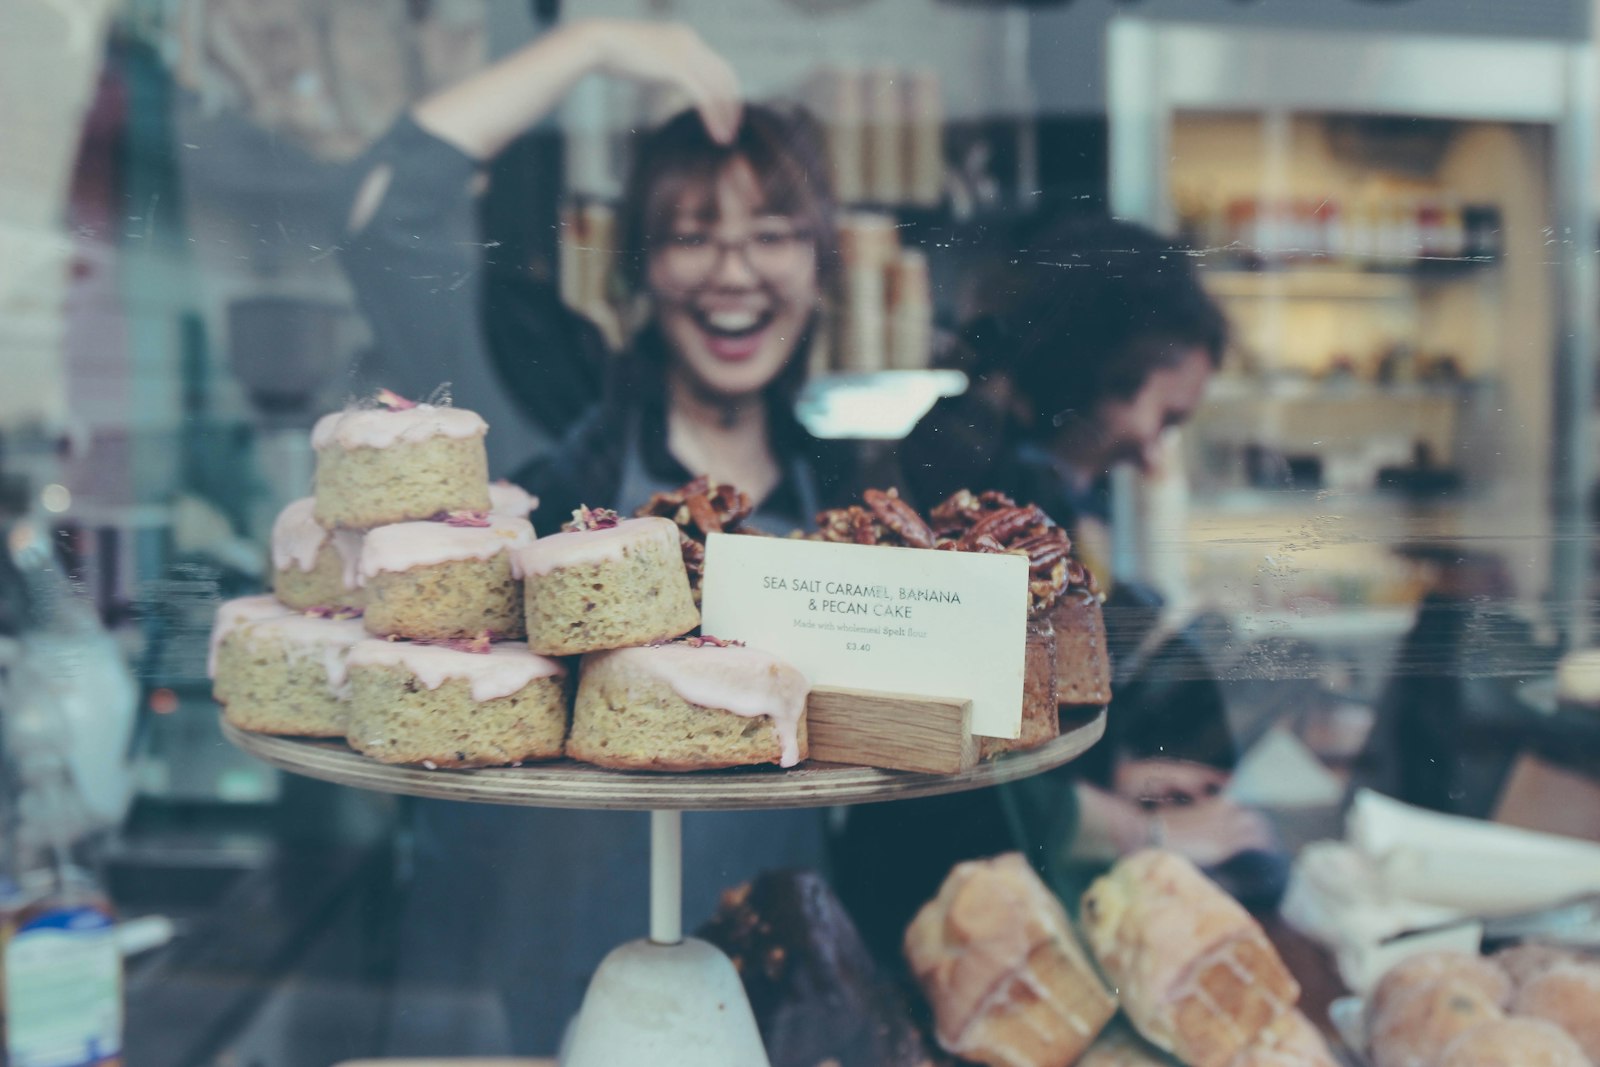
column 784, row 149
column 788, row 156
column 1091, row 308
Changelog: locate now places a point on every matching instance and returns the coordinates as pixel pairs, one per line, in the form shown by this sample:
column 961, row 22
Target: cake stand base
column 654, row 1005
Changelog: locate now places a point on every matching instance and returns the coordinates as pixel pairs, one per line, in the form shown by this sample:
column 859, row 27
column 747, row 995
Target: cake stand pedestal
column 667, row 1001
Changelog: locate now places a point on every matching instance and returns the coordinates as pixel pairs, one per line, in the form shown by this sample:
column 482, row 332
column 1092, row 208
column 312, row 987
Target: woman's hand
column 484, row 113
column 1212, row 831
column 673, row 56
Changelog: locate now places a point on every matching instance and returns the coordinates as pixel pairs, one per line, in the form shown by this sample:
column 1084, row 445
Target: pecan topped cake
column 1066, row 659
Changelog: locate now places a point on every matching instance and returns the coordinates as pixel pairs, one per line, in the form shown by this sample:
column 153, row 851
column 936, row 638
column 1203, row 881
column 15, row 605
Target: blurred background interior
column 1377, row 526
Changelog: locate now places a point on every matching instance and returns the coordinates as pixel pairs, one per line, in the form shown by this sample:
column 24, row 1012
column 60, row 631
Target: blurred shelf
column 1324, row 282
column 1357, row 622
column 1357, row 391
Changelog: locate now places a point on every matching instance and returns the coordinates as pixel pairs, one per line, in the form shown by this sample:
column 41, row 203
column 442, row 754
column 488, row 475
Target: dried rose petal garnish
column 388, row 398
column 478, row 644
column 328, row 611
column 462, row 518
column 585, row 518
column 707, row 641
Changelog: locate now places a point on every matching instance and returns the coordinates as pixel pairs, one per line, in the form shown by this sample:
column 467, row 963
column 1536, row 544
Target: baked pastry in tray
column 1196, row 974
column 1008, row 982
column 1513, row 1043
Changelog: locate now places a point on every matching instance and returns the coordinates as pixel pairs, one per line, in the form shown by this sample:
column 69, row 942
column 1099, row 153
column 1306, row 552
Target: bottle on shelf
column 61, row 983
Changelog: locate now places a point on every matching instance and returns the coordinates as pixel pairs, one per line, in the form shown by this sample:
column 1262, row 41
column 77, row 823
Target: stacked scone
column 616, row 592
column 403, row 540
column 405, row 587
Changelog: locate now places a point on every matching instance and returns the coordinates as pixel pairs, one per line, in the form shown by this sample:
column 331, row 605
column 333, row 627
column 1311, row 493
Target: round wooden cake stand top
column 567, row 784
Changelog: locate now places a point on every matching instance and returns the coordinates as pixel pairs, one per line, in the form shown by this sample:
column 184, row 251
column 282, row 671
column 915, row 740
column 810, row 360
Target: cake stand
column 667, row 1000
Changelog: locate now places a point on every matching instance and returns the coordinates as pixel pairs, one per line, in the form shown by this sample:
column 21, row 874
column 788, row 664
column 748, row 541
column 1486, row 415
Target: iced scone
column 441, row 581
column 286, row 675
column 312, row 566
column 451, row 707
column 228, row 647
column 604, row 583
column 686, row 706
column 377, row 466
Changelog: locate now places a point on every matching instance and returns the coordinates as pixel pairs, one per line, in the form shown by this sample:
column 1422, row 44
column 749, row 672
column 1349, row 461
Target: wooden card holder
column 893, row 731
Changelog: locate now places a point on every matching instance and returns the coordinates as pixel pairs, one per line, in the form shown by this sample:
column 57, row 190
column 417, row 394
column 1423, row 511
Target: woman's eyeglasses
column 691, row 258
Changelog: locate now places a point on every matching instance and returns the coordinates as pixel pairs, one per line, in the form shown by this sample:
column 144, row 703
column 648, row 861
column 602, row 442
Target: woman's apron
column 525, row 902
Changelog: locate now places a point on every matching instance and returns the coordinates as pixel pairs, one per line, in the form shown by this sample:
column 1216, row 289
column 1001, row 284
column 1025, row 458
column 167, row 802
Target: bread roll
column 997, row 960
column 1567, row 994
column 1292, row 1041
column 1523, row 963
column 1514, row 1043
column 1417, row 973
column 1195, row 972
column 1412, row 1030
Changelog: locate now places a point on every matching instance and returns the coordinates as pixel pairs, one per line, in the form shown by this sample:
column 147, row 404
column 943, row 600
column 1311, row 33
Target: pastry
column 454, row 707
column 398, row 463
column 1413, row 1029
column 688, row 705
column 1196, row 973
column 1290, row 1042
column 1567, row 994
column 1008, row 982
column 226, row 657
column 1526, row 961
column 1416, row 973
column 606, row 583
column 445, row 580
column 287, row 675
column 313, row 566
column 817, row 994
column 1513, row 1043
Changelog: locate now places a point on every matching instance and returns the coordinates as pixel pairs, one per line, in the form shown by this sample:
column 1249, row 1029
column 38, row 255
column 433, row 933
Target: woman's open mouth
column 734, row 336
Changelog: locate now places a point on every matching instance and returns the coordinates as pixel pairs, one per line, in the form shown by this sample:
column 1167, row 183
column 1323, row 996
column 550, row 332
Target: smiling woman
column 728, row 254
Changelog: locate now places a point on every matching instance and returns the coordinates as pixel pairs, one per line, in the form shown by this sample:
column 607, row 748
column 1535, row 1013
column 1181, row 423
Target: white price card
column 895, row 620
